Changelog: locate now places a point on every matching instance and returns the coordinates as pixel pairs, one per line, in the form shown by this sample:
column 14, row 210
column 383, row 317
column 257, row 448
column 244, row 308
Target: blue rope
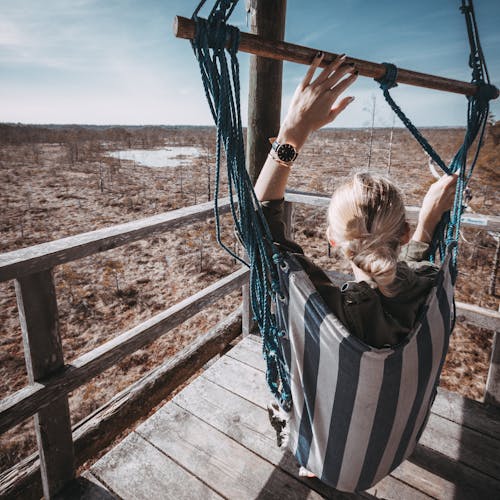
column 448, row 229
column 221, row 83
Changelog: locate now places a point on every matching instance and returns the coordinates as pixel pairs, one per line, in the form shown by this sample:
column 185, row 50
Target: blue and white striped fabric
column 358, row 411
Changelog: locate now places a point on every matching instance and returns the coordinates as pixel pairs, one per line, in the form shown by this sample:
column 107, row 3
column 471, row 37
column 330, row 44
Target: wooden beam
column 478, row 316
column 47, row 255
column 283, row 51
column 39, row 318
column 101, row 427
column 478, row 221
column 31, row 399
column 264, row 98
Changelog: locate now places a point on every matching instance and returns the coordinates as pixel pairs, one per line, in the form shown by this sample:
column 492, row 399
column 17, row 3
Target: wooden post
column 248, row 325
column 289, row 211
column 36, row 298
column 492, row 393
column 264, row 104
column 264, row 97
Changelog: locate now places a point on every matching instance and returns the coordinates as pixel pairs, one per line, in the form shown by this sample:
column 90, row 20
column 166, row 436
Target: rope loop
column 388, row 81
column 486, row 92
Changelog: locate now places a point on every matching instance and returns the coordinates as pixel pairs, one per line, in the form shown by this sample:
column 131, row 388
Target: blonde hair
column 366, row 219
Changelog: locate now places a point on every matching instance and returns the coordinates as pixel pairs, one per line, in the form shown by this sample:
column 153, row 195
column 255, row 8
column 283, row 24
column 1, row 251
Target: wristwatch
column 285, row 152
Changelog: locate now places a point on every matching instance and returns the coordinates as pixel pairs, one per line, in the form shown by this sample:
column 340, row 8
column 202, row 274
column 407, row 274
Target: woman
column 366, row 219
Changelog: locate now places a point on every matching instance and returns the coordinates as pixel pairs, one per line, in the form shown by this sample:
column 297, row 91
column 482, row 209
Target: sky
column 118, row 62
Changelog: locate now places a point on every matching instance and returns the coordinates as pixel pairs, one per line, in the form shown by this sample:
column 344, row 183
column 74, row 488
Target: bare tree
column 101, row 178
column 372, row 111
column 389, row 160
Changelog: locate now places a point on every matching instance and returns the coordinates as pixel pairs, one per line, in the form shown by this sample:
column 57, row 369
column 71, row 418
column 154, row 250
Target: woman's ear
column 332, row 243
column 406, row 235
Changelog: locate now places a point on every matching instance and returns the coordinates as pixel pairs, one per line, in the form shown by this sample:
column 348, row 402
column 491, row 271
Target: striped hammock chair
column 358, row 411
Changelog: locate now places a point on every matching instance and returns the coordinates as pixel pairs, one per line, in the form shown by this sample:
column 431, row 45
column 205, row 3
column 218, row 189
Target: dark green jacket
column 369, row 315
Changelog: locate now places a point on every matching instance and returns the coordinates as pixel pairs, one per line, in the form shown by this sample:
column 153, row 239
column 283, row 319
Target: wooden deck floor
column 214, row 440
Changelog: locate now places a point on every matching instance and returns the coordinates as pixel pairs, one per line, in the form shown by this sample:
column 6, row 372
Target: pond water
column 172, row 156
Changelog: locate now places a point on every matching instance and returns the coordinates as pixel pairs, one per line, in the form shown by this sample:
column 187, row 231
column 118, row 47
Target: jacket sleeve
column 415, row 251
column 274, row 212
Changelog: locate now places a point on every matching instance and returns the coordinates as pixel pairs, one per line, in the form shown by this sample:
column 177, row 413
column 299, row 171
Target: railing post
column 288, row 215
column 492, row 393
column 248, row 325
column 36, row 298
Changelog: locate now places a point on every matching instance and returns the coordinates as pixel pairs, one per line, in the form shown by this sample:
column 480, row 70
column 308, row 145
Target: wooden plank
column 101, row 427
column 469, row 482
column 492, row 393
column 47, row 255
column 284, row 51
column 137, row 470
column 241, row 379
column 426, row 481
column 27, row 401
column 248, row 424
column 249, row 353
column 220, row 462
column 479, row 221
column 267, row 20
column 23, row 480
column 464, row 445
column 86, row 487
column 39, row 318
column 467, row 413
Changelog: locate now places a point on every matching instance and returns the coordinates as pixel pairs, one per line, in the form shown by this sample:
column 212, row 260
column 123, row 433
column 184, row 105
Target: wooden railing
column 63, row 448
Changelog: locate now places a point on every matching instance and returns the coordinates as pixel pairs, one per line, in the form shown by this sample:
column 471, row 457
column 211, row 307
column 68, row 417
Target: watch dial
column 286, row 152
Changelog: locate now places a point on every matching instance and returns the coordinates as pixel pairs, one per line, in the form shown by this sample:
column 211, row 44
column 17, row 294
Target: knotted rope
column 221, row 82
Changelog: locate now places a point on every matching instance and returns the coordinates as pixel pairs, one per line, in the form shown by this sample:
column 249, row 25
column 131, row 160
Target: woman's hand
column 313, row 105
column 437, row 201
column 314, row 102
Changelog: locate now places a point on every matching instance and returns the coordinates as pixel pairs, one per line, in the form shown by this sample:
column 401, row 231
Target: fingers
column 449, row 180
column 337, row 76
column 312, row 68
column 328, row 70
column 339, row 107
column 344, row 84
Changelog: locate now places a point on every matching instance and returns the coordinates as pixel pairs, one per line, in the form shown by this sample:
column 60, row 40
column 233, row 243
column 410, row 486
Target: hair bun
column 380, row 263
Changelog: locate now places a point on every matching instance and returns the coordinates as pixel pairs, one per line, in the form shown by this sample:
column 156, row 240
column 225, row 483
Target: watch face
column 286, row 152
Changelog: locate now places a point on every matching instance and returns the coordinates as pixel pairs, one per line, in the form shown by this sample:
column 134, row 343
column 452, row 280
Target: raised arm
column 313, row 105
column 439, row 199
